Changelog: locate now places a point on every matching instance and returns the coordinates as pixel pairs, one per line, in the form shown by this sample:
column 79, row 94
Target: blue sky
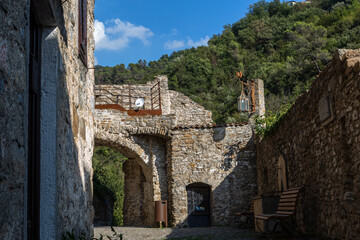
column 126, row 31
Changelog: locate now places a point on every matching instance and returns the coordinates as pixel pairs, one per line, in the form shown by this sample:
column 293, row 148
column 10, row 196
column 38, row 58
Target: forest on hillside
column 283, row 45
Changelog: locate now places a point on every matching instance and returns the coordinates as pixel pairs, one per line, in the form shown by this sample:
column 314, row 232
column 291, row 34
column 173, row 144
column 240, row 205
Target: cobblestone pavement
column 216, row 233
column 210, row 233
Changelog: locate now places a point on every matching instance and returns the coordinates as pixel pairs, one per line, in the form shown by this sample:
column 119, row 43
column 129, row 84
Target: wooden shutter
column 83, row 31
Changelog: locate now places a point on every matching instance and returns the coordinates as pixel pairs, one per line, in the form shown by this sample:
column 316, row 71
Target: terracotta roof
column 211, row 125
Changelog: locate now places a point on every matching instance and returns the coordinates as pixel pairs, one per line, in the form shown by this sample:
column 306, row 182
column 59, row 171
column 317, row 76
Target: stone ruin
column 175, row 154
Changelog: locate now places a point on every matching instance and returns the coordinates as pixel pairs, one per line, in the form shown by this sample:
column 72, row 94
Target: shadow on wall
column 104, row 209
column 234, row 193
column 139, row 207
column 60, row 20
column 155, row 149
column 73, row 173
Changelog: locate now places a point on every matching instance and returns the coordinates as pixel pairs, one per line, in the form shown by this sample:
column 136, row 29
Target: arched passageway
column 145, row 174
column 123, row 191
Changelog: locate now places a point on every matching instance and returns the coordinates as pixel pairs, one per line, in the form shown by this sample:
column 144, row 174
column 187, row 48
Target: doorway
column 198, row 198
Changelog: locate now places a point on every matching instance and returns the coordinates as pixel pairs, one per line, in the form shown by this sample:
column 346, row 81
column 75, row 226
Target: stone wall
column 75, row 126
column 13, row 117
column 126, row 95
column 179, row 147
column 66, row 119
column 187, row 112
column 321, row 147
column 222, row 157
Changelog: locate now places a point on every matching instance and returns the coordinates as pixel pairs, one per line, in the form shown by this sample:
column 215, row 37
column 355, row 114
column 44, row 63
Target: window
column 83, row 31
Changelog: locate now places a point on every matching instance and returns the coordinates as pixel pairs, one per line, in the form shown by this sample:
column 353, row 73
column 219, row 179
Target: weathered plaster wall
column 14, row 25
column 222, row 157
column 324, row 157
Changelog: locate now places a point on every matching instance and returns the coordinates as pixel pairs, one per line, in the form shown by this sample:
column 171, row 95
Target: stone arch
column 121, row 143
column 139, row 207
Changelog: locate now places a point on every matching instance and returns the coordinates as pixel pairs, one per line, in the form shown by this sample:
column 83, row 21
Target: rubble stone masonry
column 66, row 121
column 320, row 140
column 168, row 152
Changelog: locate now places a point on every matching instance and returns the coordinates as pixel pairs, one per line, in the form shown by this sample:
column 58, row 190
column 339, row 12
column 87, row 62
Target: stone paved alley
column 210, row 233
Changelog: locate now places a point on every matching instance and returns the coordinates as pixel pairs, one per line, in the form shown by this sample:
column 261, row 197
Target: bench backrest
column 288, row 201
column 251, row 209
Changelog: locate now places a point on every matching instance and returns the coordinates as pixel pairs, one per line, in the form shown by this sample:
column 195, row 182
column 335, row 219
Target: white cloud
column 116, row 34
column 174, row 44
column 95, row 61
column 201, row 42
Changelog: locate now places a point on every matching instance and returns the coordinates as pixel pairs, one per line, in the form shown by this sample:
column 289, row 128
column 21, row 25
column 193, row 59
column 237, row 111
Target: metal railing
column 104, row 96
column 155, row 96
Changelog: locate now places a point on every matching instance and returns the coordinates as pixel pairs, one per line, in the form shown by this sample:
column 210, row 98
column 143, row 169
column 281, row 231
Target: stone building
column 206, row 172
column 46, row 118
column 317, row 146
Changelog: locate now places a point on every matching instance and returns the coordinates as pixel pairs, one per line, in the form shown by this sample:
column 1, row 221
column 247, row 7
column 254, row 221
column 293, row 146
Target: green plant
column 109, row 179
column 71, row 236
column 270, row 122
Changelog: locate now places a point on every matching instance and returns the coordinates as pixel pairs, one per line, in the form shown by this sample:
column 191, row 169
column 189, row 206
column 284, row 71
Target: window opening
column 83, row 31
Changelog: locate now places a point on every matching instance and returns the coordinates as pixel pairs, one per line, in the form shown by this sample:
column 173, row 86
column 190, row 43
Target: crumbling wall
column 321, row 147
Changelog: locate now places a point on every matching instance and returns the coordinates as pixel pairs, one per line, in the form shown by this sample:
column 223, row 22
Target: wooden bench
column 286, row 209
column 248, row 214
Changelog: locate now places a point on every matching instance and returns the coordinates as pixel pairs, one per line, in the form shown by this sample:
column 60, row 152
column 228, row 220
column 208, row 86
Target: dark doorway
column 198, row 197
column 33, row 215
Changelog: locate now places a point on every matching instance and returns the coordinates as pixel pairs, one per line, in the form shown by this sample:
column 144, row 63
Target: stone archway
column 145, row 173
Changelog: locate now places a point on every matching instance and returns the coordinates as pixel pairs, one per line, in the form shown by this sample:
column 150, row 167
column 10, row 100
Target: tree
column 309, row 41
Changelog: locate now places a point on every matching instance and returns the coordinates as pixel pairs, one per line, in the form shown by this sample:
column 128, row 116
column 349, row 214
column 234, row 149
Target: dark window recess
column 83, row 31
column 33, row 215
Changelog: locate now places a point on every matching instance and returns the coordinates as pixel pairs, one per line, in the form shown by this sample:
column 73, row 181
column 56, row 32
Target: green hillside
column 285, row 46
